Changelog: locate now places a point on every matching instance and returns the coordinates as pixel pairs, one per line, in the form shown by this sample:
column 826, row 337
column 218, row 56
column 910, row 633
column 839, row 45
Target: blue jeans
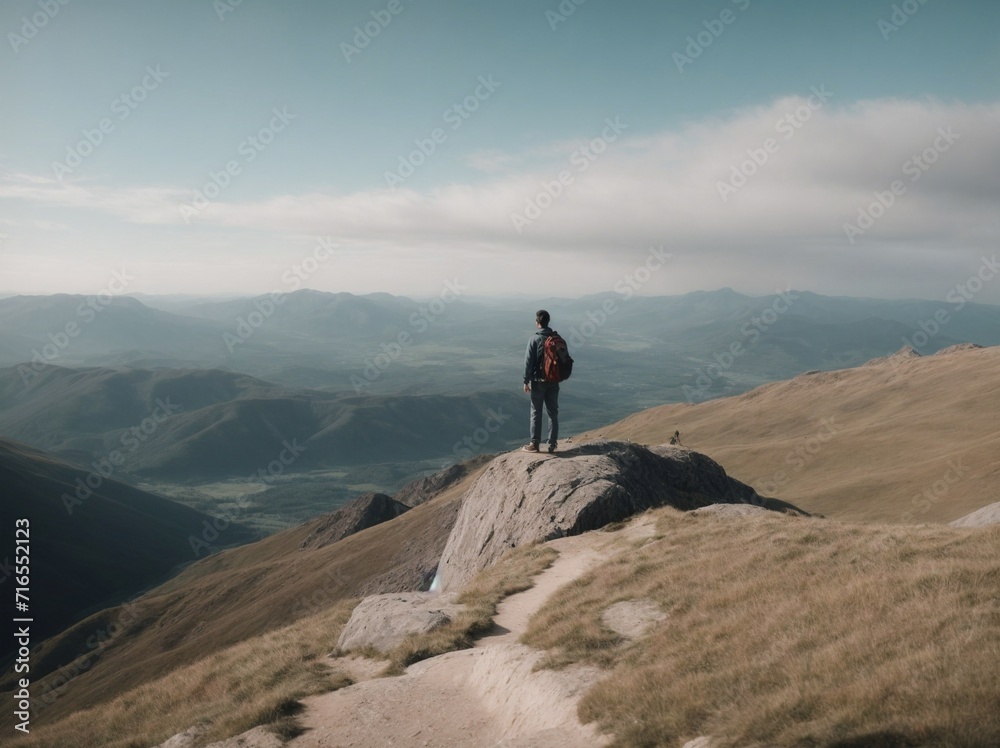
column 547, row 393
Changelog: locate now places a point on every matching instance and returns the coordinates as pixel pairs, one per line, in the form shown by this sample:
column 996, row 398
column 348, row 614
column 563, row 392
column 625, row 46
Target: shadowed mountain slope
column 94, row 541
column 241, row 593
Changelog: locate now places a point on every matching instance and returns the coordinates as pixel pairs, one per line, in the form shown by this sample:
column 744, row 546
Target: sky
column 552, row 148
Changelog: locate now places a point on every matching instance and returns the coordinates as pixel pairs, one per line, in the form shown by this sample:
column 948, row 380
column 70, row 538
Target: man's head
column 542, row 318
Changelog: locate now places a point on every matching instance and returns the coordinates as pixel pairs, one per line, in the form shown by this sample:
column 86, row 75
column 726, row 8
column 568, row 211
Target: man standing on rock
column 540, row 390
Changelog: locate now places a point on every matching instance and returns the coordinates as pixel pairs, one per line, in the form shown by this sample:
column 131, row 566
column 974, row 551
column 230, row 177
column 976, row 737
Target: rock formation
column 382, row 621
column 524, row 498
column 367, row 510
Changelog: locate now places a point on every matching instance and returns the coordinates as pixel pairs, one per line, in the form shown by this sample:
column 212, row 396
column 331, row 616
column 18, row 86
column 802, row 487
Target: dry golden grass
column 899, row 429
column 256, row 682
column 787, row 631
column 512, row 574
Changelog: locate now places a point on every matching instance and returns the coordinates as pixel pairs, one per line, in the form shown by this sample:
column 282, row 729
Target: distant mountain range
column 198, row 425
column 631, row 352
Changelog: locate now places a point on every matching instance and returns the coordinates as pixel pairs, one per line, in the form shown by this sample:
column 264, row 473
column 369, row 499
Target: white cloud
column 786, row 224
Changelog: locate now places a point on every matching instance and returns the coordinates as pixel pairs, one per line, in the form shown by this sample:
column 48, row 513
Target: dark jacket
column 534, row 357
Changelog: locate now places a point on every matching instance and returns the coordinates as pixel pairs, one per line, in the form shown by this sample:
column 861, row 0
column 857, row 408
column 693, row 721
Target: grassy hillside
column 94, row 551
column 255, row 682
column 242, row 593
column 904, row 439
column 790, row 631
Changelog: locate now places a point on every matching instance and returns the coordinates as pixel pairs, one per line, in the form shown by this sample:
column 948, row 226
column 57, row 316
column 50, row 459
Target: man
column 541, row 391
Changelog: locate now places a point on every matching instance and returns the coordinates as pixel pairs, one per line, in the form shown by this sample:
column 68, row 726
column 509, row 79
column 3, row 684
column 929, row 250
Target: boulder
column 525, row 497
column 258, row 737
column 730, row 510
column 382, row 621
column 184, row 739
column 988, row 515
column 367, row 510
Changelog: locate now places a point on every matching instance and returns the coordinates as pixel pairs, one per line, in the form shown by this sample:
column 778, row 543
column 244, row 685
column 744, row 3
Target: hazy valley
column 212, row 402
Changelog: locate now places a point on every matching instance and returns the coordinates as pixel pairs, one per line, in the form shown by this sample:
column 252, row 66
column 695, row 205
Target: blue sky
column 515, row 99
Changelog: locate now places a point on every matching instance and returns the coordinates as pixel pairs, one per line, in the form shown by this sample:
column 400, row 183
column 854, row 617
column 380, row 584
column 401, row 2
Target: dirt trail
column 483, row 696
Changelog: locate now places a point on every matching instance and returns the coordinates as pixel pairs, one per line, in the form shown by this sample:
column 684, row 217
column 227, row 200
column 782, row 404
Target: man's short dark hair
column 542, row 317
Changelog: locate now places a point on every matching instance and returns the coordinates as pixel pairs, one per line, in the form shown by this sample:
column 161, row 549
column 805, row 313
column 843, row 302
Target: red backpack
column 557, row 364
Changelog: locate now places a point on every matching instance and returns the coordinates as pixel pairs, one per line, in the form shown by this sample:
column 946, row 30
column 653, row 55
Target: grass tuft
column 792, row 632
column 256, row 682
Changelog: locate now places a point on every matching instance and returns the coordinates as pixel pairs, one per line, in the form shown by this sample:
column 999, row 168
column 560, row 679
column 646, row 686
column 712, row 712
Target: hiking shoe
column 530, row 447
column 552, row 448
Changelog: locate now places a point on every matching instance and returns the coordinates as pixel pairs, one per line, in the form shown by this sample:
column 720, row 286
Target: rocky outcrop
column 988, row 515
column 382, row 621
column 733, row 510
column 958, row 348
column 524, row 498
column 368, row 510
column 903, row 354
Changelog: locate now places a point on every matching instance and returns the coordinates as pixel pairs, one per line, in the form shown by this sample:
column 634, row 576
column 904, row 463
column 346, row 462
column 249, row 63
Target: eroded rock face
column 383, row 621
column 524, row 497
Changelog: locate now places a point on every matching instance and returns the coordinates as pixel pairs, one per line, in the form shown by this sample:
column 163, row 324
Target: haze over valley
column 216, row 403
